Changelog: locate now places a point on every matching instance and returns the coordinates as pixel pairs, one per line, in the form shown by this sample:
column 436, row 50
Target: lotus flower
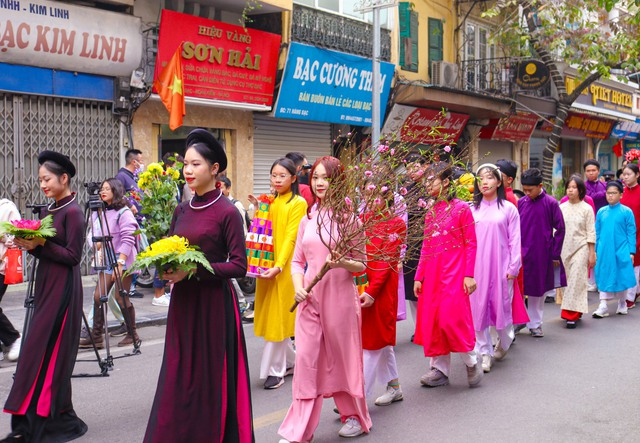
column 32, row 225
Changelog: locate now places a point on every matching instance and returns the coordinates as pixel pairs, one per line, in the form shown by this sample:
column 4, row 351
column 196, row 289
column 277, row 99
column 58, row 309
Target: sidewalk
column 146, row 313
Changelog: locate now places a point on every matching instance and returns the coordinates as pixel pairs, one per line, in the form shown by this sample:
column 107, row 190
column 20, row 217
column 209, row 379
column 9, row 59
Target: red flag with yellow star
column 169, row 86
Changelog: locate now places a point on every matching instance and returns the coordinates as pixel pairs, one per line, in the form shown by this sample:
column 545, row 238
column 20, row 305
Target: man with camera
column 302, row 170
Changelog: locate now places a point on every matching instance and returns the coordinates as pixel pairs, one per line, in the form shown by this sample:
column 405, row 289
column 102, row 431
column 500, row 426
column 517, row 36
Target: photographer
column 302, row 171
column 121, row 226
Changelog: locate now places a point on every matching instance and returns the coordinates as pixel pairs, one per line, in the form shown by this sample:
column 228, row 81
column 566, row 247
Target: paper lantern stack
column 260, row 239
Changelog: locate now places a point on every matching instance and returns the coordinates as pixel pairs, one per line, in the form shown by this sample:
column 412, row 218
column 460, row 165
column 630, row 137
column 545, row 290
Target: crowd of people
column 489, row 264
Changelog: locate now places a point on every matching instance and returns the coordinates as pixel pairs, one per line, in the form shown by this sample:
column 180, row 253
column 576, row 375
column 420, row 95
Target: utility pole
column 375, row 6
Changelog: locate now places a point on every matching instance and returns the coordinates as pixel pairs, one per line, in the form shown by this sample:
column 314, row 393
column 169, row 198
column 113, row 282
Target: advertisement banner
column 583, row 125
column 220, row 61
column 329, row 86
column 515, row 128
column 61, row 36
column 626, row 129
column 425, row 126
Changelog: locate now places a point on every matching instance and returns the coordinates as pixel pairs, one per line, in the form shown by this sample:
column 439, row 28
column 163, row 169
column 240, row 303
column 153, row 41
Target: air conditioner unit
column 444, row 74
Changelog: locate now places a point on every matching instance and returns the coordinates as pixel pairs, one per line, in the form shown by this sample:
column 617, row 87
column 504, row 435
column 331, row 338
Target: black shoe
column 571, row 324
column 412, row 337
column 135, row 294
column 273, row 382
column 122, row 330
column 518, row 328
column 549, row 299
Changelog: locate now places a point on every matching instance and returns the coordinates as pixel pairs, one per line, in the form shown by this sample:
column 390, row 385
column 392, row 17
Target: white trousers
column 443, row 362
column 620, row 295
column 379, row 365
column 484, row 345
column 535, row 309
column 631, row 292
column 277, row 356
column 413, row 307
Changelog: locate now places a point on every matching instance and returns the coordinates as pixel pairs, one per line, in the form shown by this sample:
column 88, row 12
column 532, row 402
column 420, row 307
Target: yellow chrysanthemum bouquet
column 159, row 191
column 171, row 253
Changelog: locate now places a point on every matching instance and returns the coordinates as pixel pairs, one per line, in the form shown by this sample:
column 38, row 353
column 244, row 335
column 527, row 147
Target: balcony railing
column 496, row 77
column 331, row 31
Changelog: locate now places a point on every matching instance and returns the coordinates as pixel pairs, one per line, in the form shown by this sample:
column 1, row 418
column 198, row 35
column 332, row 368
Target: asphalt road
column 571, row 385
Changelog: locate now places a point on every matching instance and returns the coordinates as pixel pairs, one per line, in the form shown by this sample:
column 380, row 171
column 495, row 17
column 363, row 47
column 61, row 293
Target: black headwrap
column 59, row 159
column 206, row 138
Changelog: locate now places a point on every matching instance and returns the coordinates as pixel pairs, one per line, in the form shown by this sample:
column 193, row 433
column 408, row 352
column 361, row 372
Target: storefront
column 320, row 91
column 60, row 64
column 229, row 73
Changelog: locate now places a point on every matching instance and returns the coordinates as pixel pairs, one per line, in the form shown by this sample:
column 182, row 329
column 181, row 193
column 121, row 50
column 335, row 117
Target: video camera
column 93, row 189
column 37, row 208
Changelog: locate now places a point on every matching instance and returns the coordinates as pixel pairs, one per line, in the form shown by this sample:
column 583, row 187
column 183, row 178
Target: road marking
column 269, row 419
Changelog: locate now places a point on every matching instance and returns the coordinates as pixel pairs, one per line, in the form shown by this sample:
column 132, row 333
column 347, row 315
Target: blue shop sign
column 329, row 86
column 627, row 130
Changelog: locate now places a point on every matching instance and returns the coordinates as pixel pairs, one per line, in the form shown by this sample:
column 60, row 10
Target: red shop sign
column 584, row 125
column 515, row 128
column 220, row 61
column 425, row 126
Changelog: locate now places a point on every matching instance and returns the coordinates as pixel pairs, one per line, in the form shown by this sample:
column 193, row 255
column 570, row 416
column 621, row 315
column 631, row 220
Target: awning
column 424, row 126
column 515, row 128
column 477, row 106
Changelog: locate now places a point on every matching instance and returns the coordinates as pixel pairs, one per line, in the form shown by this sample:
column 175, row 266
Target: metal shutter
column 273, row 138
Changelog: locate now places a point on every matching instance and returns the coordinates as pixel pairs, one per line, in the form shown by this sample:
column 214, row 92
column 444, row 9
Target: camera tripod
column 105, row 259
column 29, row 300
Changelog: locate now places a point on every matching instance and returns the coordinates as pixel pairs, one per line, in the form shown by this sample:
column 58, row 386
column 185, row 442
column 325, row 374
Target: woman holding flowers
column 203, row 392
column 40, row 399
column 274, row 287
column 328, row 335
column 497, row 263
column 445, row 324
column 121, row 224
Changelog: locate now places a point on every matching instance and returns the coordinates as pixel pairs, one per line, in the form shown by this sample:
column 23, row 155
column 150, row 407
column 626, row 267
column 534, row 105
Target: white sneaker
column 601, row 312
column 351, row 428
column 486, row 363
column 14, row 350
column 498, row 352
column 163, row 300
column 392, row 395
column 622, row 307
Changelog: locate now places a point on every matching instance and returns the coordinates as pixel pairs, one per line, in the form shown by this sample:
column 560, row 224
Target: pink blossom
column 403, row 191
column 393, row 151
column 356, row 167
column 419, row 172
column 447, row 148
column 348, row 201
column 422, row 203
column 383, row 148
column 435, row 234
column 384, row 189
column 393, row 237
column 368, row 173
column 377, row 201
column 32, row 225
column 371, row 187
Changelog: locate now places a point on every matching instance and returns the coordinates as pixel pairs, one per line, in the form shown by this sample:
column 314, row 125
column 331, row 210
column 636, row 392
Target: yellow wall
column 238, row 136
column 286, row 5
column 442, row 10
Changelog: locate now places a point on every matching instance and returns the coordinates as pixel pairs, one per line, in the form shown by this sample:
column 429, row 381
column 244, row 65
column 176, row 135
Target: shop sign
column 515, row 128
column 626, row 129
column 597, row 95
column 61, row 36
column 636, row 104
column 532, row 74
column 583, row 125
column 330, row 86
column 220, row 61
column 424, row 126
column 629, row 145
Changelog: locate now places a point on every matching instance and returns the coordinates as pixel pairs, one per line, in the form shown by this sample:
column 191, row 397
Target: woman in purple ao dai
column 497, row 263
